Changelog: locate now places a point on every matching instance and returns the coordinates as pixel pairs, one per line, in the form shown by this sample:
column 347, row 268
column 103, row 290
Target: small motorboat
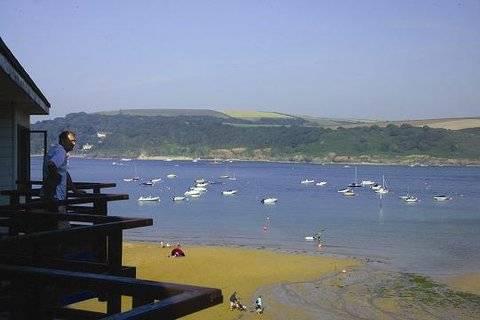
column 307, row 181
column 410, row 199
column 147, row 183
column 375, row 187
column 441, row 198
column 149, row 198
column 224, row 176
column 199, row 189
column 171, row 176
column 179, row 198
column 200, row 180
column 201, row 184
column 344, row 190
column 349, row 193
column 316, row 237
column 195, row 195
column 229, row 192
column 128, row 179
column 192, row 193
column 156, row 180
column 367, row 183
column 269, row 200
column 321, row 183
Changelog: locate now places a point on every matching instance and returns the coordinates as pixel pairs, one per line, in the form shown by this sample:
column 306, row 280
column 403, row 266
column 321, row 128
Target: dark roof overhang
column 16, row 86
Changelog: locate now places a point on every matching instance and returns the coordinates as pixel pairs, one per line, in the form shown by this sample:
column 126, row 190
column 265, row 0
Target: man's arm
column 71, row 185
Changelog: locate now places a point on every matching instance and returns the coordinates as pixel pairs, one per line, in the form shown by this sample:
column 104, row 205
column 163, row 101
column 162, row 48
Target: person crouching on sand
column 177, row 252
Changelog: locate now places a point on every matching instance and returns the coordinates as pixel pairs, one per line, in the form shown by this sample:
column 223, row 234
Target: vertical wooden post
column 114, row 260
column 100, row 207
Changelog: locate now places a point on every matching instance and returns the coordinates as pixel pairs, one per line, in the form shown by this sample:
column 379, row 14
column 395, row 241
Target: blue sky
column 342, row 59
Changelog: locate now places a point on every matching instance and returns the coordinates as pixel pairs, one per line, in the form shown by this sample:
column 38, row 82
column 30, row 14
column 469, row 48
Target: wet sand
column 300, row 286
column 469, row 282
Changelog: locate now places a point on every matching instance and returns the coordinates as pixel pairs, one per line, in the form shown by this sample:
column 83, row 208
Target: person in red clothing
column 177, row 252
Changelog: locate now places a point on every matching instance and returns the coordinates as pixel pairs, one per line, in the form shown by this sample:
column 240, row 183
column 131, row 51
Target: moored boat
column 307, row 181
column 367, row 183
column 411, row 199
column 269, row 200
column 201, row 184
column 149, row 198
column 229, row 192
column 192, row 192
column 441, row 197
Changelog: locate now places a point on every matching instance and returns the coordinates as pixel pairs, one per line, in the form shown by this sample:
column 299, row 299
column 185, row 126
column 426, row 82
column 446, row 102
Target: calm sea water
column 428, row 237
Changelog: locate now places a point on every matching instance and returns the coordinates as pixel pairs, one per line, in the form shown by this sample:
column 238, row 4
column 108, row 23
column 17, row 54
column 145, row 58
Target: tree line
column 198, row 136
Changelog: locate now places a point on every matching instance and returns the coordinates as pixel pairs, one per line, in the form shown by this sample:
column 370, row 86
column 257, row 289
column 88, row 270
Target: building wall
column 9, row 119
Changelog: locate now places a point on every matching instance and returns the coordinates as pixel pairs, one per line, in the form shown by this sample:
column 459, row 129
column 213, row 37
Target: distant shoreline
column 422, row 161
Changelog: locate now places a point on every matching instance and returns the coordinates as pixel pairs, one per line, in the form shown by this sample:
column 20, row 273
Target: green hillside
column 215, row 137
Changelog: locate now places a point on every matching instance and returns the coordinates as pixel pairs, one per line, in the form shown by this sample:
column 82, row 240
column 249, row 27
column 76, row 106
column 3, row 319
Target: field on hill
column 447, row 123
column 266, row 118
column 165, row 113
column 253, row 115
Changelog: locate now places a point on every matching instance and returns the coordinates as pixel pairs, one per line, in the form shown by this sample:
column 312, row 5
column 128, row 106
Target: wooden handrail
column 171, row 300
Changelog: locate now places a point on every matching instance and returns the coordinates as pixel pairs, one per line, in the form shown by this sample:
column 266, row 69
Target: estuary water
column 428, row 237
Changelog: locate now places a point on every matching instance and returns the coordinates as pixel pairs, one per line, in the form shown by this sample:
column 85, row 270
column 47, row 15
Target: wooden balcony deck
column 44, row 268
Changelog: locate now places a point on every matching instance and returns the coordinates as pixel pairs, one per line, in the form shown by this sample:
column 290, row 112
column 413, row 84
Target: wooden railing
column 44, row 268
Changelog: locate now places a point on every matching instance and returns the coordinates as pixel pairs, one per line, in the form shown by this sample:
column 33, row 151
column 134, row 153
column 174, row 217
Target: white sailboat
column 383, row 188
column 355, row 184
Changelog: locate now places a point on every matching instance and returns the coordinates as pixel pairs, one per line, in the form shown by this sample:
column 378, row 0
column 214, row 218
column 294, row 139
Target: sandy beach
column 300, row 286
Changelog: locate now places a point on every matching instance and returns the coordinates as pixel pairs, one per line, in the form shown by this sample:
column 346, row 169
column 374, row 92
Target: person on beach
column 259, row 305
column 233, row 300
column 235, row 303
column 57, row 180
column 177, row 252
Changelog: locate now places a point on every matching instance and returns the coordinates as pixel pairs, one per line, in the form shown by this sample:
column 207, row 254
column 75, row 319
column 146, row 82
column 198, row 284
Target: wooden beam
column 170, row 300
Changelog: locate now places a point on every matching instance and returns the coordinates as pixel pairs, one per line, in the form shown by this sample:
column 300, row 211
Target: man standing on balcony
column 56, row 177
